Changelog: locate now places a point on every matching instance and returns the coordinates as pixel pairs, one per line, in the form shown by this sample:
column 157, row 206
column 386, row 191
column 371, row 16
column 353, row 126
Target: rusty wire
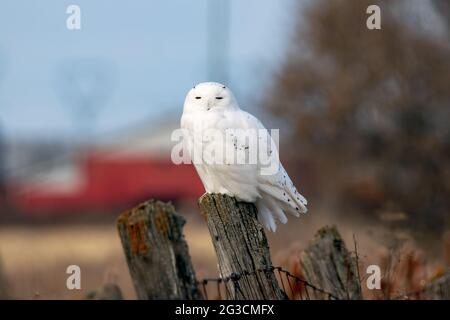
column 293, row 286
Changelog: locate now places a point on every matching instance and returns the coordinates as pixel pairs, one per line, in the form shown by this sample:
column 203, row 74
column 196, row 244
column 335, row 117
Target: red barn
column 116, row 172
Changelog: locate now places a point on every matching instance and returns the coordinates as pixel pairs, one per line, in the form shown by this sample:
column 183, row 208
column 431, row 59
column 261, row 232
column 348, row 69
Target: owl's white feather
column 211, row 107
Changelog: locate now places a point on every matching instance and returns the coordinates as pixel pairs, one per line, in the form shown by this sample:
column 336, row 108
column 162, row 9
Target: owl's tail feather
column 288, row 198
column 270, row 209
column 274, row 205
column 265, row 216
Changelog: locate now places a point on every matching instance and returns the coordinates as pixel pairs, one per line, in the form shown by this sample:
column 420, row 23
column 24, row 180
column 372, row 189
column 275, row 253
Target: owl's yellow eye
column 219, row 98
column 198, row 98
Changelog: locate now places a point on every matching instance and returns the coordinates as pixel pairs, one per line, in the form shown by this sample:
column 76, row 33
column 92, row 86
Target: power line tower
column 218, row 42
column 84, row 86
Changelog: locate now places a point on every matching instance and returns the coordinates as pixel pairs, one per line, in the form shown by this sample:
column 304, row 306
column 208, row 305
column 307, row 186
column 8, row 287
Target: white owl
column 211, row 113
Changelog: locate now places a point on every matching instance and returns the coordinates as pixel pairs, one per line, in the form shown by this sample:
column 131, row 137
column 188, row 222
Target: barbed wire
column 297, row 288
column 292, row 285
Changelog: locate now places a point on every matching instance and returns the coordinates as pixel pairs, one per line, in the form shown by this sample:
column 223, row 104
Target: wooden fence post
column 241, row 248
column 327, row 264
column 156, row 252
column 439, row 289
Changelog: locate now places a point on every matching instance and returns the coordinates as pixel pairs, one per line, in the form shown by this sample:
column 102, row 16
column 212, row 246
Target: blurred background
column 86, row 117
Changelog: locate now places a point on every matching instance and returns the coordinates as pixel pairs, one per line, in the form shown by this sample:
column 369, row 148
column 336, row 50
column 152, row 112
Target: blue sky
column 148, row 54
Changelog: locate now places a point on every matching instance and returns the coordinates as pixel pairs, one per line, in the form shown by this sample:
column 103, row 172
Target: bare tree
column 443, row 8
column 370, row 111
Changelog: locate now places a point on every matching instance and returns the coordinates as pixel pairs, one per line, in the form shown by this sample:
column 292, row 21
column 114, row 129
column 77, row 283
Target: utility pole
column 2, row 168
column 218, row 42
column 2, row 158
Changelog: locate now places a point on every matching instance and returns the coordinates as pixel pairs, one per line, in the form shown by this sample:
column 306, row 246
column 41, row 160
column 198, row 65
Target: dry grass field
column 35, row 258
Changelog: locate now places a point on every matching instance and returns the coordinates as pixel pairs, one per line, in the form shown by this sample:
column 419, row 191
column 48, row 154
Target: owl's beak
column 210, row 105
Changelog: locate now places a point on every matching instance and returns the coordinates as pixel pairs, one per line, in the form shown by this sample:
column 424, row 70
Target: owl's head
column 209, row 96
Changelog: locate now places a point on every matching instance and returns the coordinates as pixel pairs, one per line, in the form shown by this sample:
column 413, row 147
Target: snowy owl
column 215, row 136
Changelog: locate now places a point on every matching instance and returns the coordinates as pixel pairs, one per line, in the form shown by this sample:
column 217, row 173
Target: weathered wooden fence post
column 156, row 252
column 241, row 247
column 327, row 264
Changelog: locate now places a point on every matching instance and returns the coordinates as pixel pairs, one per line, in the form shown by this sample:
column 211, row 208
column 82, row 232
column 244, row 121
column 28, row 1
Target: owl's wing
column 272, row 178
